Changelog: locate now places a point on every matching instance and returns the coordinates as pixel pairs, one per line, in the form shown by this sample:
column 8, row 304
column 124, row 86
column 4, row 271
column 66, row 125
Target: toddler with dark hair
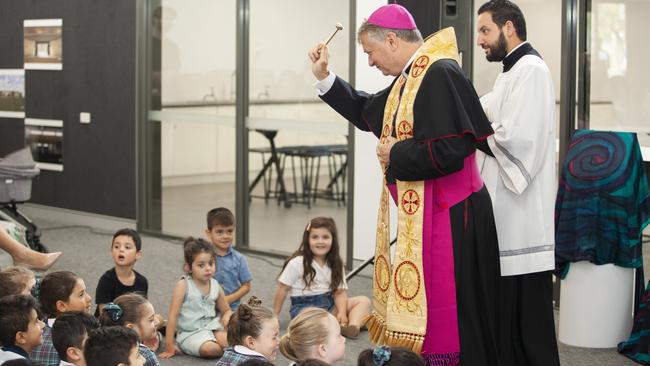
column 195, row 327
column 126, row 249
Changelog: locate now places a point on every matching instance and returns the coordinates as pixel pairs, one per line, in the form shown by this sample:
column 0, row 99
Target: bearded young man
column 519, row 172
column 438, row 294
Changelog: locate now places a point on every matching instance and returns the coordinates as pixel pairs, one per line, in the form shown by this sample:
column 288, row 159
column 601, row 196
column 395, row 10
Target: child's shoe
column 350, row 331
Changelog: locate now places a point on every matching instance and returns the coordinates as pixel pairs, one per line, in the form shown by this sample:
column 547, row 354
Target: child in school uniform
column 69, row 334
column 314, row 277
column 113, row 346
column 133, row 311
column 60, row 292
column 20, row 329
column 253, row 334
column 314, row 334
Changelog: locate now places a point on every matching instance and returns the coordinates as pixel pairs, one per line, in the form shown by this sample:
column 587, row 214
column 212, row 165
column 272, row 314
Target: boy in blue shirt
column 232, row 270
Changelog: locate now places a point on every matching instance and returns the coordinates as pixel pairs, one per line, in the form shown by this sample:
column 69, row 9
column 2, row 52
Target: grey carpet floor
column 86, row 252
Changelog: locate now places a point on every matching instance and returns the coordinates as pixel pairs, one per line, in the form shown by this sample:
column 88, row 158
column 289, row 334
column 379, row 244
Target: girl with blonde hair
column 313, row 334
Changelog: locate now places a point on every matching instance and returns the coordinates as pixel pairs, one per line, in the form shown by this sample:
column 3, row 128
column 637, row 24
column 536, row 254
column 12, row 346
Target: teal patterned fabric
column 637, row 347
column 602, row 203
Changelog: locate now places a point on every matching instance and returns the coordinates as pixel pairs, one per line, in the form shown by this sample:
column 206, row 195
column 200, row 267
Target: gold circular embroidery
column 382, row 273
column 407, row 280
column 419, row 65
column 384, row 134
column 404, row 131
column 410, row 202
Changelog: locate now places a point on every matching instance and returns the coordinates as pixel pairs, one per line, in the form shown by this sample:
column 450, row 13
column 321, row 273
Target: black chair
column 336, row 188
column 306, row 163
column 273, row 161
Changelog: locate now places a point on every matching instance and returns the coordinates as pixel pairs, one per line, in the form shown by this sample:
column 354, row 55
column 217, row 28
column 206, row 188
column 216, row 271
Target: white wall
column 367, row 172
column 544, row 30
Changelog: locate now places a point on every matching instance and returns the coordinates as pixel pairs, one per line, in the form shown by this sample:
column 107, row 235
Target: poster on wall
column 12, row 93
column 45, row 139
column 43, row 44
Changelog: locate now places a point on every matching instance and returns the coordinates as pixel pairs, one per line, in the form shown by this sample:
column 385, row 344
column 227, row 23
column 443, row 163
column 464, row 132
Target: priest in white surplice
column 519, row 172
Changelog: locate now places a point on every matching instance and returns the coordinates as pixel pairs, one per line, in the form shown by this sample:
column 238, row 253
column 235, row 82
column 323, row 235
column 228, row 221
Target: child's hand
column 170, row 351
column 342, row 318
column 225, row 318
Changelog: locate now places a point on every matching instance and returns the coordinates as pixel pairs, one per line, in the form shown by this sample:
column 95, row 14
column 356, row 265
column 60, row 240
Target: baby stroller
column 16, row 173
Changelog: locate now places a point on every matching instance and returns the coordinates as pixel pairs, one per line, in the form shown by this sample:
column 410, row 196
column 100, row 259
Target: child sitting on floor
column 20, row 329
column 69, row 334
column 113, row 346
column 16, row 280
column 232, row 271
column 126, row 250
column 193, row 320
column 61, row 292
column 313, row 334
column 314, row 276
column 135, row 312
column 253, row 333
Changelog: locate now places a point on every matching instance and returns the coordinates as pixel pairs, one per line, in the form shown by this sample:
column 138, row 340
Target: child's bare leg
column 210, row 349
column 222, row 338
column 358, row 309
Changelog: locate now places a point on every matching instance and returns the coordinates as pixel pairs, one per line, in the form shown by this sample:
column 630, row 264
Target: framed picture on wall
column 43, row 44
column 45, row 139
column 12, row 93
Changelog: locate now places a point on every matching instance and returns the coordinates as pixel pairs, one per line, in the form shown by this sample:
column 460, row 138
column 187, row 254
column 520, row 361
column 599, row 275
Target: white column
column 367, row 173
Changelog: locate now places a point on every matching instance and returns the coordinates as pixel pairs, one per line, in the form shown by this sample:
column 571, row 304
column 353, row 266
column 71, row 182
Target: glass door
column 298, row 146
column 190, row 132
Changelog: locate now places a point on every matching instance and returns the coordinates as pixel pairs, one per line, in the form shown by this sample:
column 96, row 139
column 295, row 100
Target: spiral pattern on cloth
column 603, row 201
column 597, row 161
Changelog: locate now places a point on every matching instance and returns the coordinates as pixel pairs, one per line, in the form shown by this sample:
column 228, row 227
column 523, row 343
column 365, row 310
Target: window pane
column 193, row 112
column 287, row 118
column 620, row 83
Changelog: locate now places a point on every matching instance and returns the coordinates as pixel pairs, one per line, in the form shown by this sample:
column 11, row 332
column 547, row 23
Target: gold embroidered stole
column 399, row 315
